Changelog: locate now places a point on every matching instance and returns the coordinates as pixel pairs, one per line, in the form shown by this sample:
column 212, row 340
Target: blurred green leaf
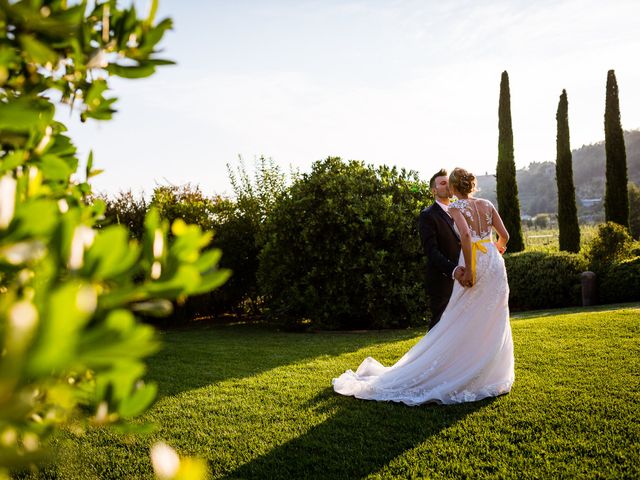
column 94, row 94
column 98, row 107
column 208, row 259
column 37, row 51
column 138, row 402
column 55, row 168
column 24, row 114
column 152, row 37
column 62, row 146
column 159, row 62
column 89, row 164
column 111, row 254
column 138, row 71
column 9, row 57
column 62, row 24
column 68, row 309
column 118, row 339
column 185, row 279
column 210, row 281
column 116, row 383
column 12, row 160
column 23, row 226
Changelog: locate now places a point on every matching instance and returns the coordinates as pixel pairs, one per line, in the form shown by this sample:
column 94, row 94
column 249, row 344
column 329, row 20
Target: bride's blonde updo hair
column 463, row 181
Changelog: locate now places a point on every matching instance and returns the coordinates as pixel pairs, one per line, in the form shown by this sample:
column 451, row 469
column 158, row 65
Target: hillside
column 537, row 182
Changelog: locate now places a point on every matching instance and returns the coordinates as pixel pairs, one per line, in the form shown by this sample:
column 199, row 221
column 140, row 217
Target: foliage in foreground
column 72, row 349
column 259, row 404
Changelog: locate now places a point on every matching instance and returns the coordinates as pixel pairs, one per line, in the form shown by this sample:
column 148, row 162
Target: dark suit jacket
column 441, row 245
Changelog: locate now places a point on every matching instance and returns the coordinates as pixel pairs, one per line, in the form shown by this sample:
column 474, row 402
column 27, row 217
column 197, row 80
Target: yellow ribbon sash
column 475, row 246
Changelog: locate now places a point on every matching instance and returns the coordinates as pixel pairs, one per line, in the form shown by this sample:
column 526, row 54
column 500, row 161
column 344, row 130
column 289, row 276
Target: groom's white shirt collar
column 443, row 206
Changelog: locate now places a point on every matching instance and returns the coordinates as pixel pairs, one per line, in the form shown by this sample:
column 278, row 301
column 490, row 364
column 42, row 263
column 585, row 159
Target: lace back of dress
column 478, row 214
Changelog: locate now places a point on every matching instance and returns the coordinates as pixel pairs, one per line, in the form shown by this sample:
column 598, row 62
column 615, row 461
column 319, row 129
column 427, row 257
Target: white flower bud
column 7, row 199
column 8, row 437
column 165, row 461
column 45, row 140
column 23, row 317
column 30, row 442
column 158, row 244
column 156, row 270
column 63, row 205
column 133, row 41
column 102, row 413
column 82, row 239
column 87, row 299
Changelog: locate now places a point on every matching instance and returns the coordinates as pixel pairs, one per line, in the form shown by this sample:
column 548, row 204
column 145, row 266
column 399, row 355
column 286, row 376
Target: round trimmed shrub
column 342, row 249
column 540, row 280
column 612, row 243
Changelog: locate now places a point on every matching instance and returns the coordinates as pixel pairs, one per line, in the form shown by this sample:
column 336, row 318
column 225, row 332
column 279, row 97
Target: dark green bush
column 540, row 280
column 240, row 230
column 237, row 232
column 342, row 249
column 621, row 282
column 613, row 243
column 238, row 224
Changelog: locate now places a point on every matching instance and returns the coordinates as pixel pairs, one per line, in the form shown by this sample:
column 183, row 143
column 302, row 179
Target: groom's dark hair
column 440, row 173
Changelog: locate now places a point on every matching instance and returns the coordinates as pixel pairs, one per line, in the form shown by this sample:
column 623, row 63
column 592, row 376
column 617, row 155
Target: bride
column 468, row 355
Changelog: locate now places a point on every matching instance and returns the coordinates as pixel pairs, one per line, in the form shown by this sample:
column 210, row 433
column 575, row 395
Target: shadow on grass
column 359, row 439
column 203, row 355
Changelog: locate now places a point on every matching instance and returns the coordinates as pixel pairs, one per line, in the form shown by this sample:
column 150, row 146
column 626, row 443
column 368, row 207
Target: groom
column 441, row 244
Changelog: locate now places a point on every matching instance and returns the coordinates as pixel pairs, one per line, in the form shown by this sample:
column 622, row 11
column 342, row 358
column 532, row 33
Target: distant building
column 590, row 202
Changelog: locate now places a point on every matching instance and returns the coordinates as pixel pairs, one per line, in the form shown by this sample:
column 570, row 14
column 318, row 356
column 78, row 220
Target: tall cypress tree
column 567, row 212
column 616, row 200
column 506, row 186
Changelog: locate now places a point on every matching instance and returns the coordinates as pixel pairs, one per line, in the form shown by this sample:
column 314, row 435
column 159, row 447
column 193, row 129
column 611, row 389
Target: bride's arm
column 465, row 238
column 498, row 224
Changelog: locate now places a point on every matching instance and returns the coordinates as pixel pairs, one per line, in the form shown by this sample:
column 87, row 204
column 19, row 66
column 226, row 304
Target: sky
column 411, row 83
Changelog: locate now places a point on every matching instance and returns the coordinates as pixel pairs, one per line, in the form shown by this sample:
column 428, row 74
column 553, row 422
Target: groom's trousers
column 439, row 299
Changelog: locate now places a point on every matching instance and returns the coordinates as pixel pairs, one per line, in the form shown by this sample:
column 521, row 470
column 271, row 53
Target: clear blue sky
column 408, row 83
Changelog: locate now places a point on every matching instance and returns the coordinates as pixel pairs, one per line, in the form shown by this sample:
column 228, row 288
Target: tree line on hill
column 537, row 187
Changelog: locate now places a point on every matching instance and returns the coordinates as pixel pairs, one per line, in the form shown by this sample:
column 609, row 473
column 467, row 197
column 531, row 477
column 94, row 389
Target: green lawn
column 547, row 238
column 259, row 404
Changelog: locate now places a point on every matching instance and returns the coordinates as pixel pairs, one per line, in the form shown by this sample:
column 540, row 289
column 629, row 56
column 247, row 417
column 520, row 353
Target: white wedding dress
column 468, row 355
